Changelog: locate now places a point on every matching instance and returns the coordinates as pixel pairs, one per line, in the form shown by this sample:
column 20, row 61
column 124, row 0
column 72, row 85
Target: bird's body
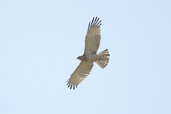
column 92, row 42
column 90, row 57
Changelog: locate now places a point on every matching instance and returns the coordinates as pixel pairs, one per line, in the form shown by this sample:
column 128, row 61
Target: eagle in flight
column 92, row 42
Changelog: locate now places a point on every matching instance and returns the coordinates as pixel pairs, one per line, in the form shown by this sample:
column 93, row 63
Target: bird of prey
column 92, row 42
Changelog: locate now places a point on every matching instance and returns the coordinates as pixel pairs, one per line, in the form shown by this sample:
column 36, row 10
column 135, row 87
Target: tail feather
column 103, row 58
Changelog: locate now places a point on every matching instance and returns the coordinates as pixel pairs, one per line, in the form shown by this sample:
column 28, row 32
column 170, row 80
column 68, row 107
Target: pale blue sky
column 39, row 43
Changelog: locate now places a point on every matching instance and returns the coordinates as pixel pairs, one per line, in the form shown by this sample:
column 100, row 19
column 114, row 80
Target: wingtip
column 71, row 86
column 95, row 21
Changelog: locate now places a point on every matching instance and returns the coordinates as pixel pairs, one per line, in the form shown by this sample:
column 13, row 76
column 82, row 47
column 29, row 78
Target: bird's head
column 80, row 57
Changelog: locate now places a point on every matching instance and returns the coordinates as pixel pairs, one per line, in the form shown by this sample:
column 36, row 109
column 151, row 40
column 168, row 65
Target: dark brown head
column 80, row 57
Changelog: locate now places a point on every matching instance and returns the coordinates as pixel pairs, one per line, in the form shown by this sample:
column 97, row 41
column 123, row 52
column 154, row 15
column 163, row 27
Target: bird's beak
column 79, row 57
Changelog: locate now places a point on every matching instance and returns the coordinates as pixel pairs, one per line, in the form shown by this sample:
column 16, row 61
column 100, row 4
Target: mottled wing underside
column 92, row 40
column 82, row 71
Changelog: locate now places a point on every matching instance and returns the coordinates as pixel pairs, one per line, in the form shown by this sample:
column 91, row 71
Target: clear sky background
column 41, row 39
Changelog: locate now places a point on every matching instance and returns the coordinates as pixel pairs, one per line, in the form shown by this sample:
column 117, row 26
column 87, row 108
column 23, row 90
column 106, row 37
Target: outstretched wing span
column 82, row 71
column 92, row 40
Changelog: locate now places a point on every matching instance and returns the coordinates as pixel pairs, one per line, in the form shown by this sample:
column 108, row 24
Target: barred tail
column 103, row 58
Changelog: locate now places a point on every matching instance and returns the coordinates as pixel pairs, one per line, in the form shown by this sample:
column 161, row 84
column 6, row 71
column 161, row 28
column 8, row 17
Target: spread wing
column 80, row 74
column 92, row 40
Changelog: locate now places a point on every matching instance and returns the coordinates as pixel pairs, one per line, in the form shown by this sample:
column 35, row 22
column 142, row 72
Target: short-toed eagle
column 92, row 42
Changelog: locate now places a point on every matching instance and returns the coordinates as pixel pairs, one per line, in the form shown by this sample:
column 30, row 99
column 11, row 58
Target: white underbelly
column 92, row 57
